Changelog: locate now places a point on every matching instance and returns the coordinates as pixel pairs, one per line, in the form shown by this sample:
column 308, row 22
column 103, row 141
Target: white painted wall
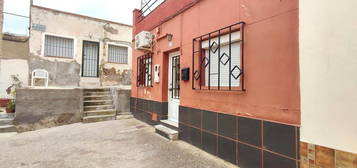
column 328, row 67
column 12, row 67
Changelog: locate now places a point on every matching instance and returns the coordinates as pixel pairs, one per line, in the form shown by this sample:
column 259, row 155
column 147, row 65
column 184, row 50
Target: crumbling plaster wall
column 81, row 29
column 121, row 98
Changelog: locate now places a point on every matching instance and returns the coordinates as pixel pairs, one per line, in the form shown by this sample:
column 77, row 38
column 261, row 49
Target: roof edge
column 79, row 15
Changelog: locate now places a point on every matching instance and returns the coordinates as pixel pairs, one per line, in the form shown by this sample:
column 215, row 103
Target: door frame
column 169, row 78
column 92, row 42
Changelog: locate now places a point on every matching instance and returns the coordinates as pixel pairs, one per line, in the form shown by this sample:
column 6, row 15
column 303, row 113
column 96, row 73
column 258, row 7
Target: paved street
column 113, row 144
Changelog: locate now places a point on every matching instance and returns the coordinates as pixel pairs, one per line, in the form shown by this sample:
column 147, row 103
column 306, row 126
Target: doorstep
column 166, row 132
column 170, row 124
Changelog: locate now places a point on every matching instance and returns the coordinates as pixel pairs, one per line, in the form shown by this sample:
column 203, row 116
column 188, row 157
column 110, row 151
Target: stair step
column 7, row 115
column 93, row 101
column 166, row 132
column 90, row 119
column 7, row 128
column 96, row 89
column 100, row 112
column 170, row 124
column 125, row 115
column 98, row 107
column 6, row 121
column 96, row 93
column 96, row 97
column 98, row 102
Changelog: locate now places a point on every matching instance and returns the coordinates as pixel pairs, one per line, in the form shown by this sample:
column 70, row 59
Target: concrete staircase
column 6, row 123
column 98, row 105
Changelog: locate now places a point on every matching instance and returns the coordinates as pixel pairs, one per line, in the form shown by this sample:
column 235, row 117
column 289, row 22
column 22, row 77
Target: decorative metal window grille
column 117, row 54
column 58, row 47
column 144, row 71
column 218, row 59
column 175, row 78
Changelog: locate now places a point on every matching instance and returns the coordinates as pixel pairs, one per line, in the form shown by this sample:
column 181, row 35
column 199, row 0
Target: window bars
column 90, row 59
column 175, row 77
column 58, row 46
column 144, row 71
column 117, row 54
column 218, row 59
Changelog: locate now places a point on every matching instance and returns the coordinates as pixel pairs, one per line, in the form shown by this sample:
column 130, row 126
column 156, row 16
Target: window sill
column 145, row 87
column 117, row 63
column 89, row 76
column 59, row 57
column 205, row 90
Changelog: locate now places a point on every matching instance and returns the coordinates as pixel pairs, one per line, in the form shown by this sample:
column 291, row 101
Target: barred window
column 144, row 70
column 117, row 54
column 218, row 59
column 58, row 47
column 213, row 70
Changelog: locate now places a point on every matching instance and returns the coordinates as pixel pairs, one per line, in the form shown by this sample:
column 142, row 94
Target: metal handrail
column 147, row 6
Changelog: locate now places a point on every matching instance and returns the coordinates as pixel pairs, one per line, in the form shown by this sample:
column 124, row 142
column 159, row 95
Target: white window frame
column 61, row 36
column 119, row 45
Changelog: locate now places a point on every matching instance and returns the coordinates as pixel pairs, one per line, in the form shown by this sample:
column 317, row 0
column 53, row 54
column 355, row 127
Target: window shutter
column 212, row 68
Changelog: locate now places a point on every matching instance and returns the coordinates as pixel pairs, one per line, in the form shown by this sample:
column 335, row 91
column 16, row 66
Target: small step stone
column 6, row 121
column 7, row 128
column 101, row 97
column 123, row 116
column 97, row 94
column 100, row 112
column 98, row 118
column 98, row 102
column 166, row 132
column 7, row 115
column 97, row 107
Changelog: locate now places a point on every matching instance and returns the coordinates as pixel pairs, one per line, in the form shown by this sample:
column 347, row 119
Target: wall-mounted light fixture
column 169, row 37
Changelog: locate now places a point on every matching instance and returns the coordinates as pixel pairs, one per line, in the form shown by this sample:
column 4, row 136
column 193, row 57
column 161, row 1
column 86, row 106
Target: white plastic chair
column 39, row 74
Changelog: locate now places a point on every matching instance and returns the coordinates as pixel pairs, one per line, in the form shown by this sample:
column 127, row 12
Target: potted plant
column 4, row 102
column 10, row 107
column 11, row 90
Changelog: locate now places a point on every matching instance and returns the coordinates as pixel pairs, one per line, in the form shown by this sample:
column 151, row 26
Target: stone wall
column 122, row 100
column 44, row 108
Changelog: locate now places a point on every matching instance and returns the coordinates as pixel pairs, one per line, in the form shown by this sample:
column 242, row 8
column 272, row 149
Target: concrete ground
column 112, row 144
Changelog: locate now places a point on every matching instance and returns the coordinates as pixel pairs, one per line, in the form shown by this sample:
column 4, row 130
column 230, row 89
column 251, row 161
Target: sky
column 114, row 10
